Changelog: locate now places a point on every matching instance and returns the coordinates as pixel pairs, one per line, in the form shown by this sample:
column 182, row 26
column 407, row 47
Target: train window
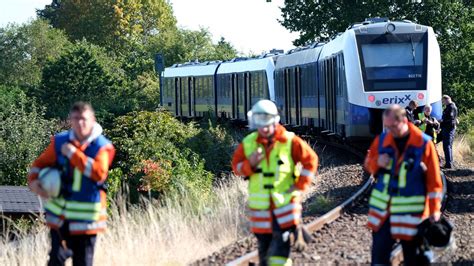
column 393, row 61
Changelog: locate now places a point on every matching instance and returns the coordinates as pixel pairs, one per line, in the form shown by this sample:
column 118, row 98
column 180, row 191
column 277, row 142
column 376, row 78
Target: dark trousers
column 382, row 244
column 448, row 139
column 273, row 244
column 80, row 248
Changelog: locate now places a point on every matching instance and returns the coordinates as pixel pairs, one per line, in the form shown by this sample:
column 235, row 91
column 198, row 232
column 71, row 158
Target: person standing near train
column 449, row 121
column 429, row 125
column 269, row 157
column 408, row 186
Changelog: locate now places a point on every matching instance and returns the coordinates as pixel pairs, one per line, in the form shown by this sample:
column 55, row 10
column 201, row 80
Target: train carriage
column 189, row 89
column 296, row 88
column 241, row 82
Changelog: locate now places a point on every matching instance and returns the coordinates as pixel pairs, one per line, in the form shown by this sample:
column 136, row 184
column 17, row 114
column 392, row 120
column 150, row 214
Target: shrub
column 153, row 155
column 24, row 133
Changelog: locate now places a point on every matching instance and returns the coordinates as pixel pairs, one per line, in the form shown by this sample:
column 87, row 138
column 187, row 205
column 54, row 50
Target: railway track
column 340, row 235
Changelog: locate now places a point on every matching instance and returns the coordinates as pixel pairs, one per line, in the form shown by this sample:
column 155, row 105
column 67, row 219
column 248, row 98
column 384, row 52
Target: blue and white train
column 338, row 88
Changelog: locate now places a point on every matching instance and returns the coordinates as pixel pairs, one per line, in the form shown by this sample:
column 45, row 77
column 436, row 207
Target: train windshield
column 393, row 61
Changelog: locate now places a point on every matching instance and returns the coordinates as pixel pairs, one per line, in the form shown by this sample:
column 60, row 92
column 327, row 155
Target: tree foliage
column 25, row 50
column 110, row 23
column 451, row 21
column 24, row 133
column 83, row 72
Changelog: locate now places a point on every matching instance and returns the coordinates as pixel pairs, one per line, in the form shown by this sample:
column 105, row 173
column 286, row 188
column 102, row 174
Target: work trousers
column 382, row 244
column 80, row 248
column 274, row 244
column 448, row 139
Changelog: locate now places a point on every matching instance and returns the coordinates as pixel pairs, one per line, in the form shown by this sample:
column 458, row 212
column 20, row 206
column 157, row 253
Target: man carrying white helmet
column 268, row 158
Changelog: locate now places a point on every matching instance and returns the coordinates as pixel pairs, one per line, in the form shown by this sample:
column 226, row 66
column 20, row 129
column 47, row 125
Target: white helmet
column 263, row 113
column 50, row 180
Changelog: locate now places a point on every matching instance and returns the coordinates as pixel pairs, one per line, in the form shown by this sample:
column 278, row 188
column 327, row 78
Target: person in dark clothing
column 429, row 125
column 411, row 113
column 448, row 128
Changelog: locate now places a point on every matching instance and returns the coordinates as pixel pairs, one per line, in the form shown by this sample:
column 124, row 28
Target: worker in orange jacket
column 408, row 186
column 75, row 217
column 269, row 157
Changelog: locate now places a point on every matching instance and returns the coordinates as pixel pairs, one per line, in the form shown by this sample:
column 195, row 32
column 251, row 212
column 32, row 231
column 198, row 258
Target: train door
column 184, row 97
column 191, row 96
column 297, row 99
column 286, row 95
column 233, row 86
column 241, row 96
column 248, row 95
column 177, row 92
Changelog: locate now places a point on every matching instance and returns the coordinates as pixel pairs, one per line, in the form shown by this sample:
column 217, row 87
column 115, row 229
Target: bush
column 24, row 134
column 215, row 145
column 153, row 156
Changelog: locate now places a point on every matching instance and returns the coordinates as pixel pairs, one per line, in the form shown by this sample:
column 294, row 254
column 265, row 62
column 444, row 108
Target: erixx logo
column 394, row 100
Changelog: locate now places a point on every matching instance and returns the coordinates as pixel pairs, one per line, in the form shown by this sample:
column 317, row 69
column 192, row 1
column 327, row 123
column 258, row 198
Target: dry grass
column 173, row 232
column 463, row 148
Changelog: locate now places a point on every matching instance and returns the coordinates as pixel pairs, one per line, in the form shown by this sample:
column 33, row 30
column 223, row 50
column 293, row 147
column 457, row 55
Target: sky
column 249, row 25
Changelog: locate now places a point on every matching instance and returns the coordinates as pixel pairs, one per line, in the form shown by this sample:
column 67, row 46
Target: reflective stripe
column 290, row 217
column 404, row 208
column 77, row 226
column 88, row 168
column 260, row 195
column 34, row 170
column 306, row 172
column 377, row 203
column 408, row 200
column 258, row 203
column 71, row 151
column 90, row 216
column 435, row 195
column 402, row 176
column 405, row 219
column 374, row 220
column 278, row 260
column 55, row 220
column 403, row 230
column 287, row 208
column 260, row 214
column 264, row 225
column 55, row 206
column 381, row 196
column 83, row 206
column 77, row 180
column 381, row 213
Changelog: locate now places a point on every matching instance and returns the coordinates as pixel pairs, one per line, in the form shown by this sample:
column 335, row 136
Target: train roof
column 298, row 57
column 191, row 69
column 246, row 64
column 382, row 27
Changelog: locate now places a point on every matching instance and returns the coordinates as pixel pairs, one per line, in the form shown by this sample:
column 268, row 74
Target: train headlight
column 390, row 28
column 421, row 96
column 371, row 98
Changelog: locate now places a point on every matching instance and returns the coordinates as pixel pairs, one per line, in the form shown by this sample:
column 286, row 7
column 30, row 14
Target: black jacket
column 450, row 114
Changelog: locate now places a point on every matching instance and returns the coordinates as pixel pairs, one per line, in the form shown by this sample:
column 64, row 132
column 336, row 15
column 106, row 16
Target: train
column 337, row 88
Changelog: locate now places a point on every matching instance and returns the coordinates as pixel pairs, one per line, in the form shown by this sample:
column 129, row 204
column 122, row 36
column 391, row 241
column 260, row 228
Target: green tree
column 451, row 21
column 25, row 50
column 83, row 72
column 24, row 133
column 110, row 23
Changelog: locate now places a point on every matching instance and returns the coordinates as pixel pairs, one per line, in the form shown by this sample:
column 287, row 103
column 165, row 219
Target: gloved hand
column 301, row 238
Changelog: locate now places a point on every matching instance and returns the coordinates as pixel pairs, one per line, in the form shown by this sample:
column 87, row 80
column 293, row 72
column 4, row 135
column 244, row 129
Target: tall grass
column 463, row 148
column 174, row 231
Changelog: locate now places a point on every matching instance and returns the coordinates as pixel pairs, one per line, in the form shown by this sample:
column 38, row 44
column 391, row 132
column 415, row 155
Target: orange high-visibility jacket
column 432, row 179
column 301, row 153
